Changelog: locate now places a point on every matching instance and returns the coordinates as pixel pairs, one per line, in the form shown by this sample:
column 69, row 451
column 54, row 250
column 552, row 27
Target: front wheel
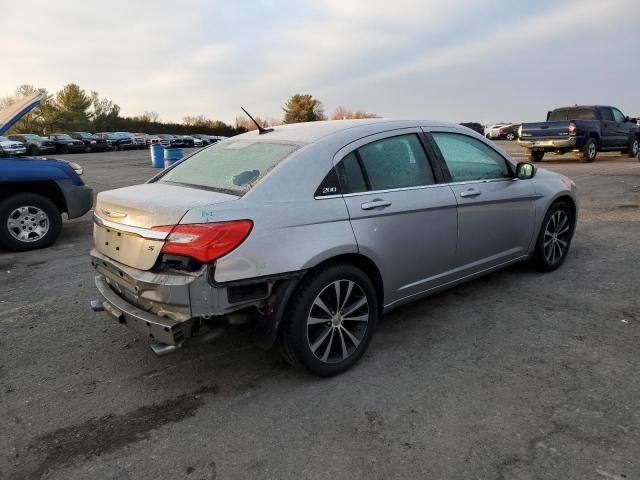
column 330, row 320
column 32, row 151
column 28, row 221
column 634, row 148
column 511, row 136
column 589, row 150
column 555, row 237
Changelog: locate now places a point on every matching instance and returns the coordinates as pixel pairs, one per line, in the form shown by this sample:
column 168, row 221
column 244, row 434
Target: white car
column 493, row 131
column 11, row 148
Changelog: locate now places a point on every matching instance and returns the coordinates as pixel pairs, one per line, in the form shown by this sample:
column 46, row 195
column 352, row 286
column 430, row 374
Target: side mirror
column 525, row 171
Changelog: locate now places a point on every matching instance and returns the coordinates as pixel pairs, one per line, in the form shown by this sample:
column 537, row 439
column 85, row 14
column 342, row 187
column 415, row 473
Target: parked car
column 35, row 144
column 118, row 142
column 165, row 140
column 206, row 139
column 378, row 213
column 35, row 192
column 11, row 148
column 475, row 126
column 151, row 140
column 174, row 140
column 503, row 131
column 187, row 141
column 138, row 140
column 65, row 144
column 583, row 129
column 92, row 143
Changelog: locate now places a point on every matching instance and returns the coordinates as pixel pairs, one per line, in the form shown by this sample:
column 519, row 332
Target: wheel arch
column 46, row 188
column 270, row 325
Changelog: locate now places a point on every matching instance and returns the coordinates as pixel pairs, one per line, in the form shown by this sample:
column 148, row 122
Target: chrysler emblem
column 112, row 214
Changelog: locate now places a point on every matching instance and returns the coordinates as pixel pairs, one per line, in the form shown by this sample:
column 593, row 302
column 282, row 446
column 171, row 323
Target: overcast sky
column 450, row 60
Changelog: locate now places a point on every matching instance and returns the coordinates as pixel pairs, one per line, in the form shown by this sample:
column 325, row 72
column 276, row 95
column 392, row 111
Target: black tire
column 87, row 149
column 294, row 339
column 535, row 155
column 33, row 150
column 544, row 255
column 64, row 149
column 589, row 150
column 510, row 136
column 634, row 148
column 9, row 206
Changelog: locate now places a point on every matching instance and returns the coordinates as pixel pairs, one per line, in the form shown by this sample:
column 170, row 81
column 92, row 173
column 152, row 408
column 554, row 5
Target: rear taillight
column 205, row 242
column 572, row 128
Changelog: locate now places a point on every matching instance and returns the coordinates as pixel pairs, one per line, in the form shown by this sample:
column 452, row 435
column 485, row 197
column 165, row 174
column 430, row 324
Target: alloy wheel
column 337, row 321
column 635, row 147
column 557, row 234
column 592, row 150
column 28, row 224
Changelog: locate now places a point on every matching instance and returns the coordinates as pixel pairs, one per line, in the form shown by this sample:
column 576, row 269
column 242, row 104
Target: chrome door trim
column 139, row 232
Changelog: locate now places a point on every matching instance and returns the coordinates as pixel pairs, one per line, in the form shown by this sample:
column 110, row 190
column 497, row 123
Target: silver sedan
column 311, row 232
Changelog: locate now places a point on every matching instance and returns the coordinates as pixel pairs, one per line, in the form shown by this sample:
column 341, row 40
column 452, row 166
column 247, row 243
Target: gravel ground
column 515, row 375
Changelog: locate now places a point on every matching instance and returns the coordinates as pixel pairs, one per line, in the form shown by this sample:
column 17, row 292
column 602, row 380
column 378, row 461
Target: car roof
column 310, row 132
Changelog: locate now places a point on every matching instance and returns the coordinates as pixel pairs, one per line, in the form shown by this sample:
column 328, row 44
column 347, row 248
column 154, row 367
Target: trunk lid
column 537, row 130
column 122, row 229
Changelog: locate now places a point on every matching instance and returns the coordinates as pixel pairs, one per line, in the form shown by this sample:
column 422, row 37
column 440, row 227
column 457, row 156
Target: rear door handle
column 472, row 192
column 375, row 204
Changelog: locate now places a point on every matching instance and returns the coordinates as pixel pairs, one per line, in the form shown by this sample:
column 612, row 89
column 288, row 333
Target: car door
column 622, row 128
column 496, row 213
column 402, row 218
column 609, row 129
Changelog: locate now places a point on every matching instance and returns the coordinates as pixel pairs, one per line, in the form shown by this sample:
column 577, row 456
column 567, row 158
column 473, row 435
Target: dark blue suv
column 35, row 192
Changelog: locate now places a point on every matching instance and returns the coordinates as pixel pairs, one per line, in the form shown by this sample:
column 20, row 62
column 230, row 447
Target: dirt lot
column 516, row 375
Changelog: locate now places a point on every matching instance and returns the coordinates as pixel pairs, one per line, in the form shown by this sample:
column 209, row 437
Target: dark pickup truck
column 583, row 129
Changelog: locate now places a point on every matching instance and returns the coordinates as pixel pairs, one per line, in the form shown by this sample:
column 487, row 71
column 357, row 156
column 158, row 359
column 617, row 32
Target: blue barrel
column 172, row 155
column 157, row 155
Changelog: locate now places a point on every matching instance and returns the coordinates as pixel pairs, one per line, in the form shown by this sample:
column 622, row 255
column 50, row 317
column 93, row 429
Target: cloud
column 454, row 58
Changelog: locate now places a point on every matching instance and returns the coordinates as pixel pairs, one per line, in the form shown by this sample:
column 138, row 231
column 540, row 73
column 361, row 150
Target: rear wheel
column 64, row 149
column 589, row 150
column 535, row 155
column 330, row 320
column 634, row 148
column 28, row 221
column 555, row 237
column 32, row 151
column 511, row 136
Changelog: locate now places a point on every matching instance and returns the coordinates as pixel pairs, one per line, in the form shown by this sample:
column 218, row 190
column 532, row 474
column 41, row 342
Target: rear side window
column 470, row 159
column 233, row 167
column 350, row 175
column 395, row 162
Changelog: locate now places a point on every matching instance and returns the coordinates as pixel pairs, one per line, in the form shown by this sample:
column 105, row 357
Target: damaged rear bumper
column 158, row 329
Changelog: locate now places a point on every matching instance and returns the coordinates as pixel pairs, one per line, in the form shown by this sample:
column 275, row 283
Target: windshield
column 572, row 114
column 4, row 139
column 31, row 136
column 232, row 167
column 63, row 136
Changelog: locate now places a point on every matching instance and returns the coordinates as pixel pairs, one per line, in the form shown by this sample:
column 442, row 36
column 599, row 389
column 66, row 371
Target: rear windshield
column 572, row 114
column 233, row 167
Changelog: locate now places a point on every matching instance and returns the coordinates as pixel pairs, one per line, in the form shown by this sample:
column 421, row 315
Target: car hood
column 14, row 112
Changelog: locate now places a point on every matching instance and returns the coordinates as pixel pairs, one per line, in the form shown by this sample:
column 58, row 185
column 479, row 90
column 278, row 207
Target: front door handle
column 375, row 204
column 472, row 192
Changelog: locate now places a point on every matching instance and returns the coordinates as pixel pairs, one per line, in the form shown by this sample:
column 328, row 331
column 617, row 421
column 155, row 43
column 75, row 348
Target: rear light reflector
column 205, row 242
column 572, row 128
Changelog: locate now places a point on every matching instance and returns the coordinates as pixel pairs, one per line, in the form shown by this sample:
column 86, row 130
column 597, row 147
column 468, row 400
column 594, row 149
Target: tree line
column 73, row 109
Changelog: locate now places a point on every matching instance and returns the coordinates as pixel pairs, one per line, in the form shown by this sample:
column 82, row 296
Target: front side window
column 606, row 114
column 470, row 159
column 233, row 167
column 617, row 115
